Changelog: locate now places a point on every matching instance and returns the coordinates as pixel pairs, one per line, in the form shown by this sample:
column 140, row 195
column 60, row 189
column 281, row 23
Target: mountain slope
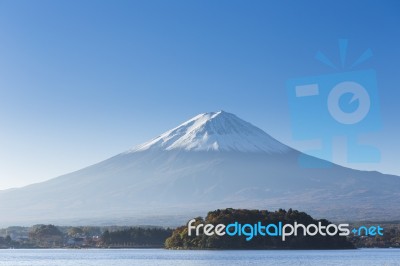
column 214, row 160
column 216, row 131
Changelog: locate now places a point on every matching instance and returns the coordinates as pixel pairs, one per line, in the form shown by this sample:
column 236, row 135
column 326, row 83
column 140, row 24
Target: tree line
column 180, row 238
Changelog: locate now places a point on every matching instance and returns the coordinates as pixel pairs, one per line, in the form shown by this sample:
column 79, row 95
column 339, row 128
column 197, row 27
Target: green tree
column 46, row 235
column 180, row 238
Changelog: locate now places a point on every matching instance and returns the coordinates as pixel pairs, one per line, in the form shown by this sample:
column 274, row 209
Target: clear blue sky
column 81, row 81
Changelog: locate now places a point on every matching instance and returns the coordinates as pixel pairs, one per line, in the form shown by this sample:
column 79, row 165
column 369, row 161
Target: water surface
column 144, row 257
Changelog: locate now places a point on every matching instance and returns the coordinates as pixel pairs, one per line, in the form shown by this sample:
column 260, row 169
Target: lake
column 144, row 257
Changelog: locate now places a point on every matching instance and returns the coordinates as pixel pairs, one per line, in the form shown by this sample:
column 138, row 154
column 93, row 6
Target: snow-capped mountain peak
column 215, row 131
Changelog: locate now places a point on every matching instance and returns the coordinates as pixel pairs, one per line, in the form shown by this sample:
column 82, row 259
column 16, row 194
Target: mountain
column 219, row 131
column 214, row 160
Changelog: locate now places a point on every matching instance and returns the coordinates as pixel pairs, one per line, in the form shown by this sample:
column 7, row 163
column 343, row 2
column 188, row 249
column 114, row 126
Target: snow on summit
column 215, row 131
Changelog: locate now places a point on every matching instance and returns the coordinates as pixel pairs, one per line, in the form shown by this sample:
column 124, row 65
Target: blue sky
column 81, row 81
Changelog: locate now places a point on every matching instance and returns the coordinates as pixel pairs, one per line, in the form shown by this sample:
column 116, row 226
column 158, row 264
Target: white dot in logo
column 359, row 93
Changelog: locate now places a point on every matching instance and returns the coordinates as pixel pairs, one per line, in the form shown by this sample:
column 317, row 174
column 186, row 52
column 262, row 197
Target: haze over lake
column 144, row 257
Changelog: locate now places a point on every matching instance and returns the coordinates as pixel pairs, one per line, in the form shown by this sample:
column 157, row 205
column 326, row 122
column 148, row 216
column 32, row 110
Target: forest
column 180, row 238
column 52, row 236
